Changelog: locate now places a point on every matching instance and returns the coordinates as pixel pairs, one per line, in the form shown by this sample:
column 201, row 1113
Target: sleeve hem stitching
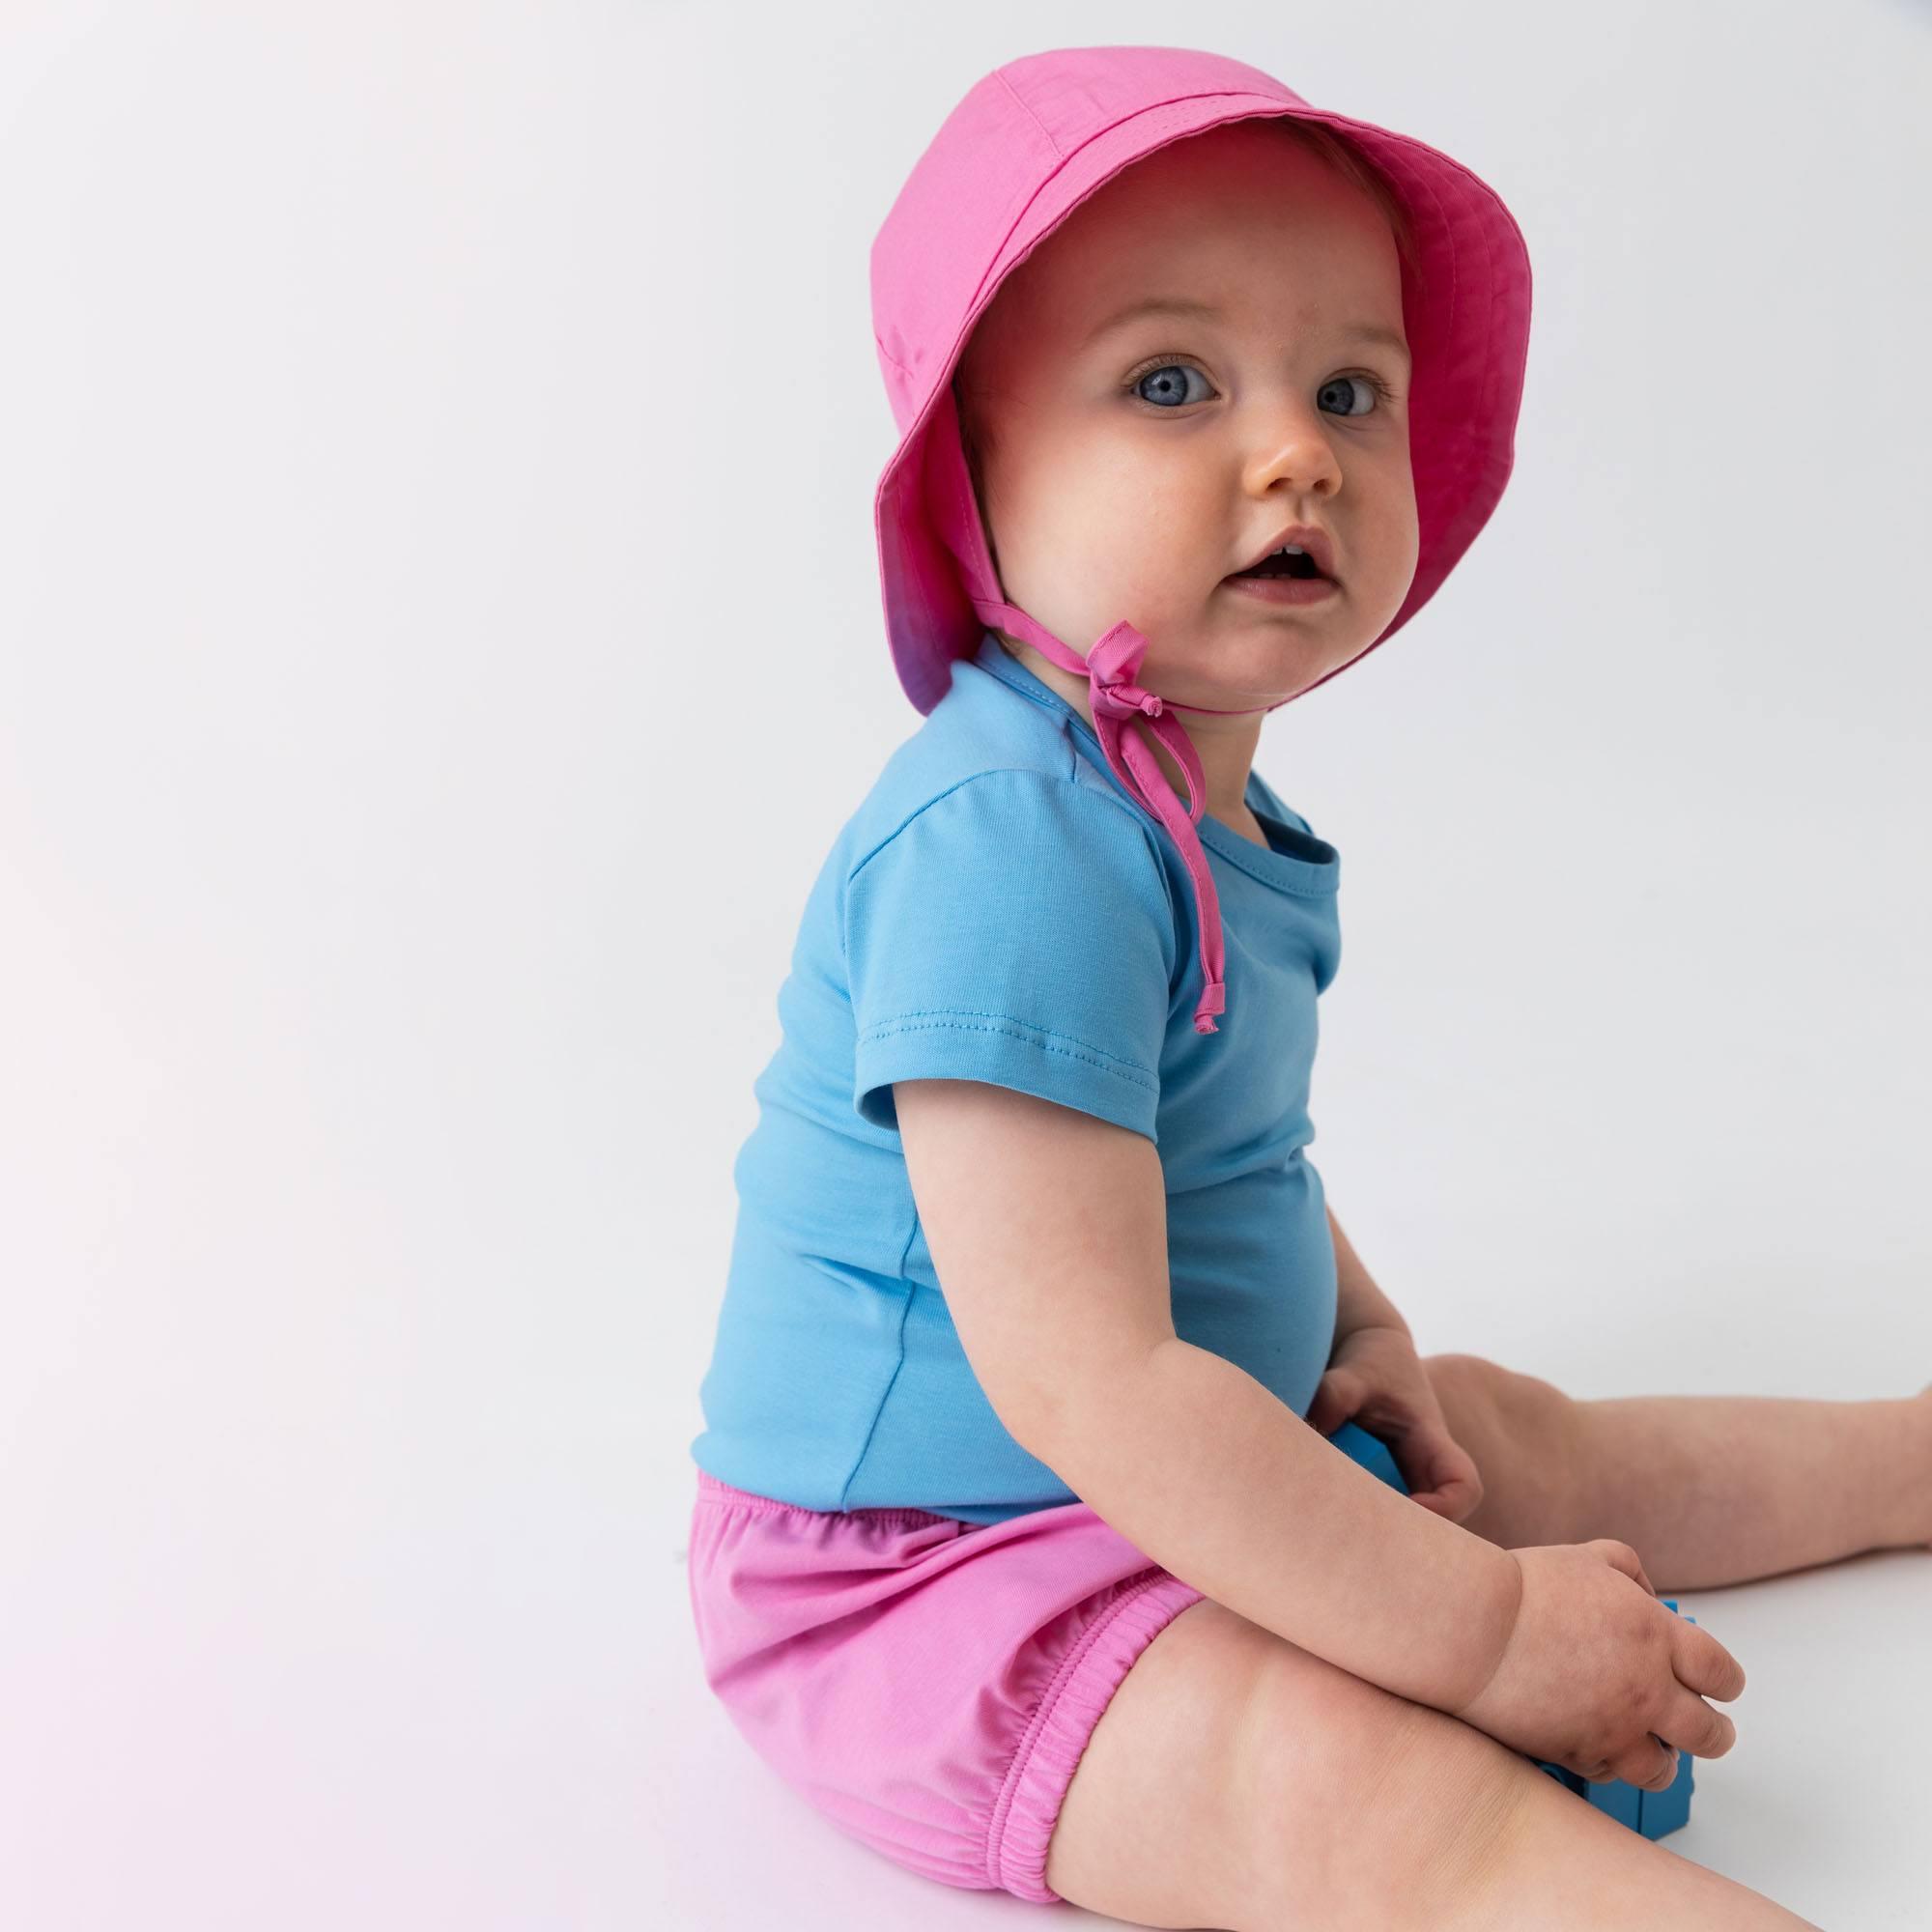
column 1131, row 1071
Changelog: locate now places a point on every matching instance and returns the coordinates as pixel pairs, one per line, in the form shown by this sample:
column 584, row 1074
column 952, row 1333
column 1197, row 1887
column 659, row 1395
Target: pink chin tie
column 1110, row 668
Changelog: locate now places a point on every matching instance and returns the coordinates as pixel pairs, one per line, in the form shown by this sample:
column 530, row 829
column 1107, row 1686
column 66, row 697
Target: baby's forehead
column 1110, row 286
column 1243, row 229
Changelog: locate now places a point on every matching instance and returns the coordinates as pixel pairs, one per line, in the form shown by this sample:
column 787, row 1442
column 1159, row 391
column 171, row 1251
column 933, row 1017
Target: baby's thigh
column 1235, row 1780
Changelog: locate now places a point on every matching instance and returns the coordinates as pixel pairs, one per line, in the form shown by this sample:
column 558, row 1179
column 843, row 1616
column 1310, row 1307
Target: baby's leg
column 1237, row 1781
column 1707, row 1489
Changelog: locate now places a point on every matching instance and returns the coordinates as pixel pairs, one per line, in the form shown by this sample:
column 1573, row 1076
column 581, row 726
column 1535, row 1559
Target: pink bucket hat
column 1018, row 154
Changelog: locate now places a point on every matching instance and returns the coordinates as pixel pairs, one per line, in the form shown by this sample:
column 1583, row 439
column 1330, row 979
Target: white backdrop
column 439, row 642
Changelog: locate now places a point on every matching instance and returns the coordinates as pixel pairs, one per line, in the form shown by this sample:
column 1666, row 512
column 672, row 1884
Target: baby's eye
column 1339, row 385
column 1169, row 383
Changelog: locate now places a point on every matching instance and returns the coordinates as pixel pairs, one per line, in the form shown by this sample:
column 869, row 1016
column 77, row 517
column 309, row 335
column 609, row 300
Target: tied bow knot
column 1121, row 700
column 1111, row 667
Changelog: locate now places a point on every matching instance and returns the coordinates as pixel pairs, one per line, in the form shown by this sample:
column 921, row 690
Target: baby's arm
column 1048, row 1229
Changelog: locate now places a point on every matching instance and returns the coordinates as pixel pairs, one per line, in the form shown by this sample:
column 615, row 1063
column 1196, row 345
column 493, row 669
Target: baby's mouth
column 1289, row 562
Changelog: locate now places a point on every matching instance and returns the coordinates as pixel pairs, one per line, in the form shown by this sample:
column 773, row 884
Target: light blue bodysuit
column 998, row 908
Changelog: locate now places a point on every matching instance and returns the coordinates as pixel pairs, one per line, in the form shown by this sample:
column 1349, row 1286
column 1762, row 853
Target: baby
column 1019, row 1546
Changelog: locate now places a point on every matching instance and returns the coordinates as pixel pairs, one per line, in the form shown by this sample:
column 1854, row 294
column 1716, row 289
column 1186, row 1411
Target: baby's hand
column 1599, row 1677
column 1376, row 1380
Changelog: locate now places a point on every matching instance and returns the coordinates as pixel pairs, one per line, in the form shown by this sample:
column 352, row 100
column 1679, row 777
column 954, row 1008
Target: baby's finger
column 1702, row 1664
column 1651, row 1766
column 1453, row 1499
column 1691, row 1724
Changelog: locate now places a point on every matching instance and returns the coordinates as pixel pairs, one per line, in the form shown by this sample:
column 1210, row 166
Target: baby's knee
column 1518, row 1401
column 1529, row 1440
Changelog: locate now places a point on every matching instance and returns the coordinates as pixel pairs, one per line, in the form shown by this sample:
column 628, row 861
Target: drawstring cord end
column 1213, row 1000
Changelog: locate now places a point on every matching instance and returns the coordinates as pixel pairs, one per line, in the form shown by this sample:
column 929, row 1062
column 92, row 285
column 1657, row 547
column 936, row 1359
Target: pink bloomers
column 929, row 1684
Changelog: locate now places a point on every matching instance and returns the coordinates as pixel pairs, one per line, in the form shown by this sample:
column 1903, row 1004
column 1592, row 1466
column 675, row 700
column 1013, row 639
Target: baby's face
column 1132, row 465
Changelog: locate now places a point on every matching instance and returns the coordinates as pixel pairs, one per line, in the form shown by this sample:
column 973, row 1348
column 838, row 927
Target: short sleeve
column 1016, row 930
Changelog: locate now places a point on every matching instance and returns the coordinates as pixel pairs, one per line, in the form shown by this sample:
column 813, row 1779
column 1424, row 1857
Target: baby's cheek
column 1392, row 549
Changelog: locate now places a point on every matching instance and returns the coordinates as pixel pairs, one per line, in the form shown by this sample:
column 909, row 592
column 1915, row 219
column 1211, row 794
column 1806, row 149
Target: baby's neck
column 1247, row 825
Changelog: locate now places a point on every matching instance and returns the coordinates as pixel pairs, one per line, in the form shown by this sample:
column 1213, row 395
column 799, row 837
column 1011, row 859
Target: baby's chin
column 1272, row 658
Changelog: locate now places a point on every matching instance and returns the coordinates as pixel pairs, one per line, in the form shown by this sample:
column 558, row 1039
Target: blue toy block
column 1664, row 1812
column 1371, row 1451
column 1623, row 1801
column 1652, row 1813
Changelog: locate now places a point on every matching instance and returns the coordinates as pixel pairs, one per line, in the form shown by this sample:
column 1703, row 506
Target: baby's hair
column 1343, row 156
